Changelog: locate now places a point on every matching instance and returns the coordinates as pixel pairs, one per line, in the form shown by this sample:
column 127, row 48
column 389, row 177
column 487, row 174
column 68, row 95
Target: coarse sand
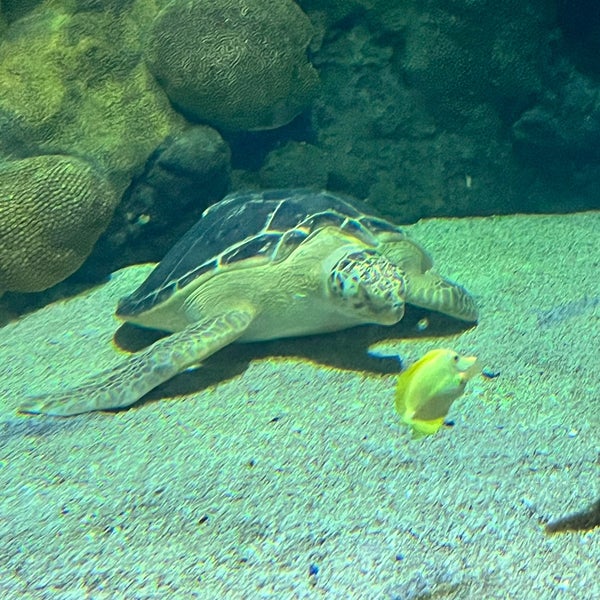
column 281, row 470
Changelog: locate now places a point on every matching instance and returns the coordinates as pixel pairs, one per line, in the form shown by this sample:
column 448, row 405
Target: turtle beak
column 391, row 312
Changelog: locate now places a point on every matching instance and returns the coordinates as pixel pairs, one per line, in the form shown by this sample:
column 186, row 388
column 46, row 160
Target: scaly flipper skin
column 130, row 380
column 431, row 291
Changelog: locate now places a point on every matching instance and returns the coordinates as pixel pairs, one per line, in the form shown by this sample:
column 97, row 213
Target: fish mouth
column 469, row 366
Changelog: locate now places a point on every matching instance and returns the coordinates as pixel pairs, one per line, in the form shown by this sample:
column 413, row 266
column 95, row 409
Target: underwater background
column 281, row 469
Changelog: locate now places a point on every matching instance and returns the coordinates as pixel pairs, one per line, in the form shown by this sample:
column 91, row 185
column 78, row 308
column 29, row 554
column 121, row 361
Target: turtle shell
column 246, row 229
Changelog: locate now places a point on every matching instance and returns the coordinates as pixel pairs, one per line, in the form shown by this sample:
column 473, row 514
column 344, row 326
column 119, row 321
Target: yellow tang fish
column 427, row 389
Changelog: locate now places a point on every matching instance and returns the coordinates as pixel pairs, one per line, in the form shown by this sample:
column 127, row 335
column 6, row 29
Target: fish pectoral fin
column 438, row 406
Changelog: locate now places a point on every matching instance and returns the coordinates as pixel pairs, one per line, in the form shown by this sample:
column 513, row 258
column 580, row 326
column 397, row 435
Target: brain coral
column 52, row 210
column 239, row 64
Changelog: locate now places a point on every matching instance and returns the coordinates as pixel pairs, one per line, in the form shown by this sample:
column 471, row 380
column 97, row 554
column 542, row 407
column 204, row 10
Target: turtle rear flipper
column 430, row 290
column 127, row 382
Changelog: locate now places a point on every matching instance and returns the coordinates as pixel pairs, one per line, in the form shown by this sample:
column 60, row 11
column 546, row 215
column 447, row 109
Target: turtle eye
column 455, row 358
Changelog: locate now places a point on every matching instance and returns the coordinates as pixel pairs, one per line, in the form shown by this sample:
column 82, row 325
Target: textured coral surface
column 240, row 64
column 52, row 210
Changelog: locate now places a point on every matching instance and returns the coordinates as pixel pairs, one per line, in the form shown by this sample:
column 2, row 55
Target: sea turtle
column 259, row 266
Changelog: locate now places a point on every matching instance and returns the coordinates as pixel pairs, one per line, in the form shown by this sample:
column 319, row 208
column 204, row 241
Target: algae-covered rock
column 15, row 9
column 474, row 51
column 336, row 10
column 297, row 164
column 183, row 176
column 52, row 210
column 75, row 82
column 237, row 64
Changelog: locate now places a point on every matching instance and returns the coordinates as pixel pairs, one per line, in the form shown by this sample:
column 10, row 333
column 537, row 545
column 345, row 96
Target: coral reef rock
column 183, row 176
column 236, row 64
column 52, row 210
column 75, row 83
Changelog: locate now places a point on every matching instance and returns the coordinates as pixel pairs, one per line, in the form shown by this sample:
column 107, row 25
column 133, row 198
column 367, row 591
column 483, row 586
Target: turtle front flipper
column 130, row 380
column 430, row 290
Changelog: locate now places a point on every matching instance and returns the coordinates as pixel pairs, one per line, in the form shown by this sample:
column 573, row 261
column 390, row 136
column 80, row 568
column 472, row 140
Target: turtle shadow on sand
column 346, row 350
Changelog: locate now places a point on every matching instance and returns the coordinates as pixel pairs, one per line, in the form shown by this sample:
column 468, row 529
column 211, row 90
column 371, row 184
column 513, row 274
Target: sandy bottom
column 281, row 470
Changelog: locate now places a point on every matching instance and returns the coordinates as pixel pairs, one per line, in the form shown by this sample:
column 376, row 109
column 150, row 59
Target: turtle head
column 367, row 285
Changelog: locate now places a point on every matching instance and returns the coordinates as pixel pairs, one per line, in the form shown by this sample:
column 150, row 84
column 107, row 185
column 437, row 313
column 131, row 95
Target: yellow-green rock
column 75, row 83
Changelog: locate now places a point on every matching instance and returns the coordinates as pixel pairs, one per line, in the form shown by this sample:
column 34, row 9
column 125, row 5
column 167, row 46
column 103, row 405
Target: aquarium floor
column 281, row 470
